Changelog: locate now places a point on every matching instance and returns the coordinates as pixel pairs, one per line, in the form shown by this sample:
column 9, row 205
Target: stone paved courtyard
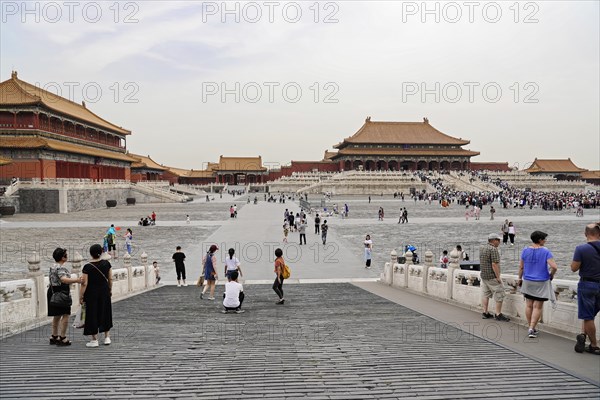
column 329, row 341
column 430, row 227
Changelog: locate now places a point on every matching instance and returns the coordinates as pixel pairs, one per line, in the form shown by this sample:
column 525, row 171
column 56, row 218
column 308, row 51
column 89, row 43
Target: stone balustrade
column 462, row 288
column 75, row 182
column 23, row 303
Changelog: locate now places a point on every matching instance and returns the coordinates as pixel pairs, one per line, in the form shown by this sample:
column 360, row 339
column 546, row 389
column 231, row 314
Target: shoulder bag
column 60, row 299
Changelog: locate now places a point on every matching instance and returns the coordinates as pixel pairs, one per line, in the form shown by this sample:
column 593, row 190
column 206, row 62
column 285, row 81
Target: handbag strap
column 100, row 272
column 595, row 248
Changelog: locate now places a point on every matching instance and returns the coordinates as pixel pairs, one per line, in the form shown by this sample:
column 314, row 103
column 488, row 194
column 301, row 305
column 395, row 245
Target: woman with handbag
column 209, row 261
column 96, row 291
column 59, row 297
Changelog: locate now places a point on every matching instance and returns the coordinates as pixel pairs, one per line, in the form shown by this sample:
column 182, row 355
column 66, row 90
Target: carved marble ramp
column 329, row 341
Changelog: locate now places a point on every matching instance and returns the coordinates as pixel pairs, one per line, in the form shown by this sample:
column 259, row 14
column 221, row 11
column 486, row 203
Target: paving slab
column 328, row 341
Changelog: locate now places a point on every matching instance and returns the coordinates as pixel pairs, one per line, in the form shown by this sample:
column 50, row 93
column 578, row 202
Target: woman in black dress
column 96, row 290
column 60, row 278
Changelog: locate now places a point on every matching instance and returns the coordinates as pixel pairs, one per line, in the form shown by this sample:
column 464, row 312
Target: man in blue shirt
column 586, row 260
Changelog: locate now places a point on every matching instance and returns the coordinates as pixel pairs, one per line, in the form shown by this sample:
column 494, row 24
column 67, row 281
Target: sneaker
column 179, row 285
column 185, row 284
column 532, row 333
column 92, row 343
column 502, row 317
column 107, row 341
column 280, row 302
column 580, row 345
column 239, row 311
column 224, row 311
column 487, row 315
column 211, row 298
column 201, row 295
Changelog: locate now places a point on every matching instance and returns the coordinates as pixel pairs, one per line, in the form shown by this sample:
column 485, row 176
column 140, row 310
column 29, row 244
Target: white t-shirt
column 232, row 263
column 232, row 294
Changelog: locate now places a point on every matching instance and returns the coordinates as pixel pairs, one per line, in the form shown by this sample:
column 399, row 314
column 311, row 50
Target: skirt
column 541, row 290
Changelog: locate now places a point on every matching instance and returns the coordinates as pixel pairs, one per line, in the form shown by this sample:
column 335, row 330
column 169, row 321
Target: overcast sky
column 289, row 80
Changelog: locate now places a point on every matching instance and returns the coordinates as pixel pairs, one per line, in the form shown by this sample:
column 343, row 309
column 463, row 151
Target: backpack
column 287, row 272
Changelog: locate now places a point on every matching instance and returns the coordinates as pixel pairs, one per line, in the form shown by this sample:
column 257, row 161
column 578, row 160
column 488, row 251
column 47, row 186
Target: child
column 444, row 259
column 128, row 238
column 232, row 263
column 156, row 271
column 234, row 294
column 187, row 219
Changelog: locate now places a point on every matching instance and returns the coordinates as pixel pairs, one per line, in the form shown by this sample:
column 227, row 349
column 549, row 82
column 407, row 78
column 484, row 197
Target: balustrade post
column 127, row 266
column 38, row 281
column 453, row 265
column 76, row 269
column 428, row 264
column 144, row 258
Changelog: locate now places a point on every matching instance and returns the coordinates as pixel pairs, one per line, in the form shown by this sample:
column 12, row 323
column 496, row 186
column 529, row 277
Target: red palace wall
column 21, row 169
column 304, row 166
column 489, row 166
column 61, row 169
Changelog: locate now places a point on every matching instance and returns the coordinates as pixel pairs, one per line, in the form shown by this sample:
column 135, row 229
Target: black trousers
column 241, row 297
column 278, row 286
column 317, row 228
column 180, row 269
column 303, row 235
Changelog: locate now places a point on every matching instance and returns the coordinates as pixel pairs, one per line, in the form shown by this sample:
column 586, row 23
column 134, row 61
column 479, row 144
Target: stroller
column 415, row 256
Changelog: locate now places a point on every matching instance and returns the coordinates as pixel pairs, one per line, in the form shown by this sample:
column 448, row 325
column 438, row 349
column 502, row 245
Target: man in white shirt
column 234, row 294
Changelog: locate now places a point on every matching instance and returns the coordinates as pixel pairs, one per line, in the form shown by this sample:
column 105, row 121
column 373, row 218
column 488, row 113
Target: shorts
column 112, row 247
column 492, row 287
column 588, row 300
column 530, row 297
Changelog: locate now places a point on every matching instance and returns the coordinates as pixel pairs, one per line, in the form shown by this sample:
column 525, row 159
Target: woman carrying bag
column 96, row 292
column 210, row 273
column 60, row 279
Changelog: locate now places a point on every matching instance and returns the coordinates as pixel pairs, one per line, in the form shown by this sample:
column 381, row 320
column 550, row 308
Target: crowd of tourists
column 536, row 272
column 507, row 197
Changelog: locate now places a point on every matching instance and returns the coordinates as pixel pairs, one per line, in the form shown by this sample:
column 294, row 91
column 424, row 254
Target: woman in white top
column 232, row 264
column 368, row 250
column 511, row 233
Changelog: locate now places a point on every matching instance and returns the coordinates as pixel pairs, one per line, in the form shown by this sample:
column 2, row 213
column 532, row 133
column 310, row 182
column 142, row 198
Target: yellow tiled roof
column 557, row 166
column 14, row 92
column 190, row 173
column 145, row 162
column 329, row 155
column 590, row 174
column 403, row 153
column 5, row 161
column 379, row 132
column 240, row 164
column 200, row 174
column 35, row 142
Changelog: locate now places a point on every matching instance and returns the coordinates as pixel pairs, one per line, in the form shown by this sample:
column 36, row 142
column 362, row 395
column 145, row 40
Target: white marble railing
column 23, row 303
column 74, row 182
column 155, row 183
column 461, row 287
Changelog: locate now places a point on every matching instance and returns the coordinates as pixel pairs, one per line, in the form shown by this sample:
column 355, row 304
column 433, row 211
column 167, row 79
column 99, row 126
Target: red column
column 15, row 120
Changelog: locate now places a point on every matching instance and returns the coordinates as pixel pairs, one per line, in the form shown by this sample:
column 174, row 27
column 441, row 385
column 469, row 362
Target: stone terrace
column 329, row 341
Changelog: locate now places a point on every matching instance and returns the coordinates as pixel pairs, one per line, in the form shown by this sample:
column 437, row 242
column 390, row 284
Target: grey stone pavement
column 329, row 341
column 339, row 336
column 258, row 231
